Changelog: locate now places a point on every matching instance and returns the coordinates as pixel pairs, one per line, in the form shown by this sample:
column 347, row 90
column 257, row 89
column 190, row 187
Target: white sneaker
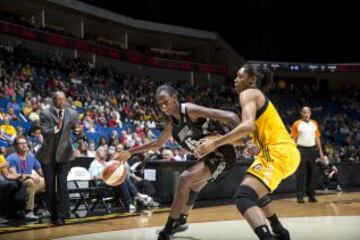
column 3, row 220
column 132, row 208
column 141, row 196
column 31, row 216
column 44, row 213
column 149, row 202
column 338, row 188
column 154, row 204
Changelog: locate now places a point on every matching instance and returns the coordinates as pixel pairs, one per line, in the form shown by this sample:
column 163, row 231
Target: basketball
column 114, row 174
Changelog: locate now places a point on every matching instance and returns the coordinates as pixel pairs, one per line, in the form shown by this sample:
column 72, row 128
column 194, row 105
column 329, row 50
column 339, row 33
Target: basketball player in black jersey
column 187, row 123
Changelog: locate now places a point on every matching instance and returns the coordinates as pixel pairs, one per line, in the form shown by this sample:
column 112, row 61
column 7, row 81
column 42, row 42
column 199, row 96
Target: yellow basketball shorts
column 275, row 163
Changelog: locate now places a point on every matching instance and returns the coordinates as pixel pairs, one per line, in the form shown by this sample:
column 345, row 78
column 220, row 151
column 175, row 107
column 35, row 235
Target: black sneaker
column 163, row 235
column 178, row 227
column 281, row 234
column 312, row 199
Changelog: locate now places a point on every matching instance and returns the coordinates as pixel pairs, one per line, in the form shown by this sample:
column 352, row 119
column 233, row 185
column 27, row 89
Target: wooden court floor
column 334, row 204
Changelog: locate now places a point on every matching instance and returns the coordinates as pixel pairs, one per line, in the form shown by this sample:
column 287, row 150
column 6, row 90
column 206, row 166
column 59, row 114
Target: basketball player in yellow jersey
column 278, row 157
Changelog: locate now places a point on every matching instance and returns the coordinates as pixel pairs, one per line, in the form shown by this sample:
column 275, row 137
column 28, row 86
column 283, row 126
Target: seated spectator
column 180, row 155
column 19, row 131
column 82, row 150
column 23, row 162
column 88, row 122
column 40, row 139
column 124, row 137
column 114, row 135
column 13, row 104
column 12, row 191
column 27, row 108
column 35, row 104
column 9, row 89
column 78, row 132
column 149, row 135
column 111, row 152
column 78, row 102
column 3, row 115
column 101, row 119
column 103, row 142
column 116, row 115
column 114, row 142
column 139, row 182
column 11, row 114
column 167, row 155
column 34, row 115
column 137, row 142
column 96, row 168
column 113, row 123
column 127, row 190
column 91, row 149
column 7, row 131
column 45, row 103
column 139, row 131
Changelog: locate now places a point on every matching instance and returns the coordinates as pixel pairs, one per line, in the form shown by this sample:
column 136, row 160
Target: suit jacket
column 57, row 145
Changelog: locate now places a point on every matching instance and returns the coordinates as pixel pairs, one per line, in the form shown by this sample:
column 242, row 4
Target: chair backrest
column 78, row 177
column 78, row 173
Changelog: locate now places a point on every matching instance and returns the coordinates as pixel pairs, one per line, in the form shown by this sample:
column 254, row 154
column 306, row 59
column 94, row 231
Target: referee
column 306, row 133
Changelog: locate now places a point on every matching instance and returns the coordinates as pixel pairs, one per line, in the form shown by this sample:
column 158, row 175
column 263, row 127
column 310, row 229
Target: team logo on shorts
column 257, row 167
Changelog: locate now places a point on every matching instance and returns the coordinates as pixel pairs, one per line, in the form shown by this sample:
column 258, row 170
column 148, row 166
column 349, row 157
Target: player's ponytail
column 267, row 81
column 264, row 76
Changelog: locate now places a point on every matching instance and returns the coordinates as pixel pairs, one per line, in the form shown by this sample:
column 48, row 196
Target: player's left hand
column 206, row 146
column 122, row 156
column 250, row 149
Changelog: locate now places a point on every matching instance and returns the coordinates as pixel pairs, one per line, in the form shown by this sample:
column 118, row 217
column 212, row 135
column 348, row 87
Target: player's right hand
column 59, row 124
column 35, row 179
column 122, row 156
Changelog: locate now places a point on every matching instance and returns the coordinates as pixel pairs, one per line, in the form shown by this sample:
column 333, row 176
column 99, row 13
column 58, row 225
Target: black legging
column 327, row 180
column 12, row 196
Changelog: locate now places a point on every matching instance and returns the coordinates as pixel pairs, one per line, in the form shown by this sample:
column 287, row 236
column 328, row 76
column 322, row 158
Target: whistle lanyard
column 23, row 164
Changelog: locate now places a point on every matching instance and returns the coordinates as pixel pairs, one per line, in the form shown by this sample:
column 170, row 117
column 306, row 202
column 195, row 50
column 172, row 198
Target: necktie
column 60, row 114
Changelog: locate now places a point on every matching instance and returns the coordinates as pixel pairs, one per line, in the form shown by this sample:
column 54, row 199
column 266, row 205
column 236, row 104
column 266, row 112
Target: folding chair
column 78, row 185
column 84, row 190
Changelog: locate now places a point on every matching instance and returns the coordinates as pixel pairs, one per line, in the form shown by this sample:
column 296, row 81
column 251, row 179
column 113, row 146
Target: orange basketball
column 114, row 173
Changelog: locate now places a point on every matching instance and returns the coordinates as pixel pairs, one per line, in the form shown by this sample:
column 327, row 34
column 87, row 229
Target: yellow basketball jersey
column 278, row 157
column 269, row 128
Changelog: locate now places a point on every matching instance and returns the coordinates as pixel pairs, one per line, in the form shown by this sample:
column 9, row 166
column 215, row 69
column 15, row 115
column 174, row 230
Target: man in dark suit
column 56, row 152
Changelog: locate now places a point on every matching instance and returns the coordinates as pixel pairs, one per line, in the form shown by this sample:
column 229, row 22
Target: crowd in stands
column 117, row 110
column 120, row 106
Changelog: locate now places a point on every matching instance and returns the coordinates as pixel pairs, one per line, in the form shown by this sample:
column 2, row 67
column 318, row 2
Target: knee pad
column 191, row 198
column 265, row 200
column 245, row 198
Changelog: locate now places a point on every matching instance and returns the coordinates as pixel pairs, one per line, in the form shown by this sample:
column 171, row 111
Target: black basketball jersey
column 188, row 133
column 325, row 169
